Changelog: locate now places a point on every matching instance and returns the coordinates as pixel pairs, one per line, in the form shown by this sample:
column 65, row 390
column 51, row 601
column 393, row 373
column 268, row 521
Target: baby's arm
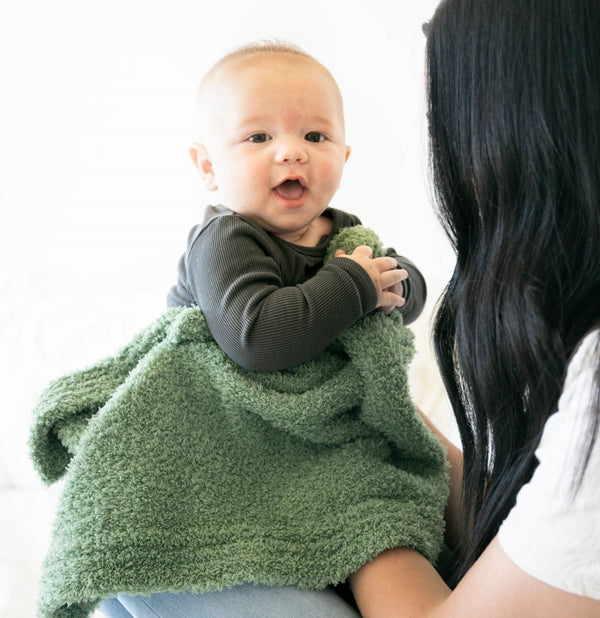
column 259, row 306
column 385, row 275
column 414, row 288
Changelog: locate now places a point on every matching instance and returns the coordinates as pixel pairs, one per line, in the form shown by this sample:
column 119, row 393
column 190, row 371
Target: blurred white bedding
column 52, row 321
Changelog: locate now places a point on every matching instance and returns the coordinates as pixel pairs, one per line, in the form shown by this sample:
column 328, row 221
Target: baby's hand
column 384, row 273
column 397, row 289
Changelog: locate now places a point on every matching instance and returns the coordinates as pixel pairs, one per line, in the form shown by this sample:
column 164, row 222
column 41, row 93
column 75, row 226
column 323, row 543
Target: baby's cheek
column 246, row 180
column 257, row 174
column 331, row 174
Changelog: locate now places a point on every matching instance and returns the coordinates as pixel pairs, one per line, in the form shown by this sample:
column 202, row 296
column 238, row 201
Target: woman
column 514, row 124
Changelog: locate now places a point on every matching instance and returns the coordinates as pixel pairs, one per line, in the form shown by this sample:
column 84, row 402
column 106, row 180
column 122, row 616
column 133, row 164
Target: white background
column 97, row 192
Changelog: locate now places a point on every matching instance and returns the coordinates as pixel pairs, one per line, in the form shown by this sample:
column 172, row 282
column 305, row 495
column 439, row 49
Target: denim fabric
column 247, row 601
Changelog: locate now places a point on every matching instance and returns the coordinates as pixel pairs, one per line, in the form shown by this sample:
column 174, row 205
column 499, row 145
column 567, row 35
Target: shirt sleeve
column 415, row 288
column 239, row 279
column 553, row 531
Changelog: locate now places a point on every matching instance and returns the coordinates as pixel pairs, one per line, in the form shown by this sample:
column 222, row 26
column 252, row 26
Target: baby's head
column 272, row 138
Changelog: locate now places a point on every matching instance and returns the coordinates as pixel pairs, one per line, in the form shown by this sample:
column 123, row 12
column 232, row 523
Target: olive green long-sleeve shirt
column 271, row 304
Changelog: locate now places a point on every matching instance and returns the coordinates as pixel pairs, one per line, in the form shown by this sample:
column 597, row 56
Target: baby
column 242, row 484
column 273, row 143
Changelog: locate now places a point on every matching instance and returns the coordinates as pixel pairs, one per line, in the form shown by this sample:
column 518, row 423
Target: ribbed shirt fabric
column 271, row 304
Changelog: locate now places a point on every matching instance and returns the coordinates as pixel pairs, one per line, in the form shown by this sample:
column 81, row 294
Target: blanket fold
column 184, row 471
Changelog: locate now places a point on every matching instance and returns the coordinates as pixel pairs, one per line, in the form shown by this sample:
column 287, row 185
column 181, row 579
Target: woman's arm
column 453, row 513
column 400, row 582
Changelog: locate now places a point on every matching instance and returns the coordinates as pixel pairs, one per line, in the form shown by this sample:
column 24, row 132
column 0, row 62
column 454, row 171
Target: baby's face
column 275, row 140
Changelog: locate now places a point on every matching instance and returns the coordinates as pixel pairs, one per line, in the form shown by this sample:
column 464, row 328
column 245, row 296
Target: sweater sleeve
column 415, row 288
column 262, row 319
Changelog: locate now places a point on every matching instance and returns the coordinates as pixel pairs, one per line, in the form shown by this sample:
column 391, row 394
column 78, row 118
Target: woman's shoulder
column 552, row 532
column 586, row 358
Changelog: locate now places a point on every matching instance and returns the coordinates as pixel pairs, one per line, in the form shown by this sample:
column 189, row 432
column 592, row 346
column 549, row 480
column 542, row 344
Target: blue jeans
column 247, row 601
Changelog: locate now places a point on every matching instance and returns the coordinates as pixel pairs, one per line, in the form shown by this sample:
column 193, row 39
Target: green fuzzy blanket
column 184, row 471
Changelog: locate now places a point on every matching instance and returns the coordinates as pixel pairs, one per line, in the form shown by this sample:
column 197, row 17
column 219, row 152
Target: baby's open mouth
column 290, row 189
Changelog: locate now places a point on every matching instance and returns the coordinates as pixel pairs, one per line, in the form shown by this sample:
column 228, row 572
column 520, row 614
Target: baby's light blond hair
column 259, row 47
column 263, row 46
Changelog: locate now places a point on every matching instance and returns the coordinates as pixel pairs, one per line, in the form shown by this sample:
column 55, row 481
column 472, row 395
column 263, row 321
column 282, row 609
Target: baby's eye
column 259, row 138
column 314, row 136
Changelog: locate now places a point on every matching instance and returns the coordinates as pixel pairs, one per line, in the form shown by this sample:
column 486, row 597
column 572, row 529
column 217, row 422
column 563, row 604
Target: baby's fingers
column 393, row 277
column 385, row 264
column 389, row 301
column 363, row 251
column 392, row 292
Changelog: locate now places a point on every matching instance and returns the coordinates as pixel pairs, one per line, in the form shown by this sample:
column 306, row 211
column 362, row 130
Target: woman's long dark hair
column 514, row 127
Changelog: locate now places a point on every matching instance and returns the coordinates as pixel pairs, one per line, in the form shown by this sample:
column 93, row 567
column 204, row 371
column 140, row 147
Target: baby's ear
column 201, row 159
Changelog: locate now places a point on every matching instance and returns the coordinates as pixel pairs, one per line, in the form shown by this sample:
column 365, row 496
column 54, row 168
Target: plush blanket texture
column 184, row 471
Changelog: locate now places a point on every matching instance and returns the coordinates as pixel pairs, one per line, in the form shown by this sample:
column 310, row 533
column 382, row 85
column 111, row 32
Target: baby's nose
column 291, row 151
